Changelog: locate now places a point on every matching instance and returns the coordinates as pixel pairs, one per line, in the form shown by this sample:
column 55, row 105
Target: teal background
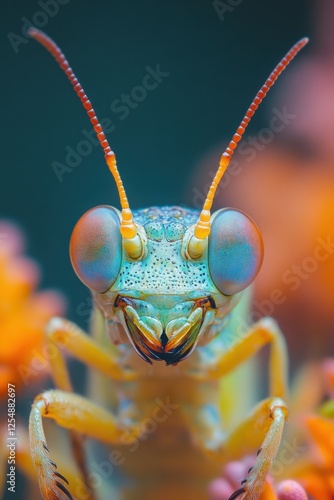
column 215, row 69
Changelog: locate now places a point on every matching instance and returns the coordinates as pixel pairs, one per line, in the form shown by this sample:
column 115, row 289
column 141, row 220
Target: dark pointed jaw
column 163, row 349
column 172, row 344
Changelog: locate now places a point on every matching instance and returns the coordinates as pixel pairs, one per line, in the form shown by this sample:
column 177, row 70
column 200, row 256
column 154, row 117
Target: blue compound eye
column 96, row 248
column 235, row 251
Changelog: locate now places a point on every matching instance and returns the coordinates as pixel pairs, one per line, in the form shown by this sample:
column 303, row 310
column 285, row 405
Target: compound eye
column 235, row 251
column 96, row 248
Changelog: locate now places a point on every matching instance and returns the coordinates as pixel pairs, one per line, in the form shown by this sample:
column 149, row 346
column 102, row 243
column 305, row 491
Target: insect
column 166, row 283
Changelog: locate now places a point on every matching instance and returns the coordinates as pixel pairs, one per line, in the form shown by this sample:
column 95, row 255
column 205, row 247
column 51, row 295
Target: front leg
column 266, row 424
column 65, row 336
column 265, row 331
column 72, row 412
column 263, row 428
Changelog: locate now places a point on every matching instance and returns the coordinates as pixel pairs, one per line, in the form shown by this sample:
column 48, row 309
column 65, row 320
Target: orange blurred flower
column 23, row 312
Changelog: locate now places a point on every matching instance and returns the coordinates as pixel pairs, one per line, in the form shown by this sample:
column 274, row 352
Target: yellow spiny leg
column 67, row 336
column 266, row 422
column 25, row 464
column 64, row 335
column 268, row 418
column 73, row 412
column 22, row 461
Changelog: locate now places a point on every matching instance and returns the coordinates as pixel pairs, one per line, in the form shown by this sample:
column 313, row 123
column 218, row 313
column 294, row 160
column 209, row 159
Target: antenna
column 128, row 228
column 202, row 229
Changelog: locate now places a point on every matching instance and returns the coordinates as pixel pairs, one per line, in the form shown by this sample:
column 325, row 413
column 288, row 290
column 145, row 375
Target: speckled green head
column 166, row 301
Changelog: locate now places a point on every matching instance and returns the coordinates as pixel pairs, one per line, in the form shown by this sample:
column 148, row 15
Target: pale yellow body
column 165, row 460
column 157, row 456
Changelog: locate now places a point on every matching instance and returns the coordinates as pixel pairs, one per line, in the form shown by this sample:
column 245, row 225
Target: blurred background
column 209, row 58
column 216, row 60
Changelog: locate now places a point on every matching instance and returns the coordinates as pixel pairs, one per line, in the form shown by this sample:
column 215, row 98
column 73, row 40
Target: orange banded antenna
column 128, row 228
column 202, row 229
